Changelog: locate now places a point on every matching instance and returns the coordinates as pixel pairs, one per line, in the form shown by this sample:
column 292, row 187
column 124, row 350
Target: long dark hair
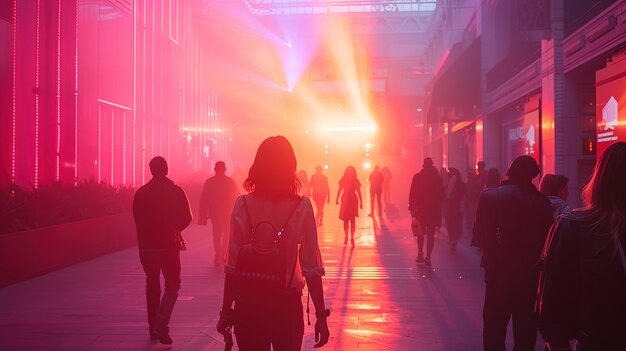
column 605, row 194
column 273, row 173
column 349, row 177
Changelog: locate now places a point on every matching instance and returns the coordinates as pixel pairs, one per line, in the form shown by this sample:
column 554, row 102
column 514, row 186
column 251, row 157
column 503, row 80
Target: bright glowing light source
column 367, row 165
column 325, row 146
column 326, row 152
column 306, row 132
column 37, row 47
column 58, row 145
column 419, row 109
column 326, row 167
column 76, row 99
column 290, row 90
column 368, row 146
column 350, row 129
column 289, row 44
column 14, row 112
column 188, row 137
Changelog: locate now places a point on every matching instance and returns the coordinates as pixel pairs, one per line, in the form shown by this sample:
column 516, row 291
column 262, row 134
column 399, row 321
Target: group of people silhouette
column 547, row 267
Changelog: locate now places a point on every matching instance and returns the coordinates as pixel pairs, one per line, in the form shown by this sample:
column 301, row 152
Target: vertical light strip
column 99, row 143
column 134, row 182
column 112, row 147
column 58, row 149
column 14, row 112
column 124, row 148
column 76, row 98
column 37, row 44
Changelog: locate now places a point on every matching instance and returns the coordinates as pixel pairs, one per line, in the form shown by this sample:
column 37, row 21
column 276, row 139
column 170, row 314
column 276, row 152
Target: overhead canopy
column 456, row 90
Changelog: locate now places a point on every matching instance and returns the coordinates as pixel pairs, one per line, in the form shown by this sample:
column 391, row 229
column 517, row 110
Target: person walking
column 554, row 186
column 582, row 292
column 216, row 203
column 455, row 191
column 425, row 199
column 351, row 200
column 272, row 252
column 376, row 190
column 512, row 222
column 320, row 192
column 387, row 175
column 161, row 211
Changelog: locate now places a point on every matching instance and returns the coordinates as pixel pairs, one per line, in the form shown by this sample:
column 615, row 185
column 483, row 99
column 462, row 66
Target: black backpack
column 261, row 268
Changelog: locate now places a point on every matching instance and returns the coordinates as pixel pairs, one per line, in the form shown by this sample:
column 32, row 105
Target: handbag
column 416, row 227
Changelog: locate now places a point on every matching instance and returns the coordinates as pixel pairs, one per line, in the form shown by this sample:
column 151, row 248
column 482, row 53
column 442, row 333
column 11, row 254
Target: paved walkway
column 381, row 300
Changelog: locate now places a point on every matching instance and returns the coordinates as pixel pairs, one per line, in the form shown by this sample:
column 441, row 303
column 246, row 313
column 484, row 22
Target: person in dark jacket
column 161, row 211
column 512, row 222
column 216, row 202
column 425, row 198
column 582, row 292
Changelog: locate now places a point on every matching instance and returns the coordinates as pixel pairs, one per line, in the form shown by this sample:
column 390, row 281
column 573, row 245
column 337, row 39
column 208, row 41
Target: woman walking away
column 273, row 250
column 350, row 192
column 582, row 291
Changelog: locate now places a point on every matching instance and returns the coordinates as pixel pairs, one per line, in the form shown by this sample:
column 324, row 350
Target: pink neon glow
column 112, row 147
column 58, row 149
column 76, row 100
column 36, row 181
column 124, row 148
column 134, row 95
column 99, row 143
column 444, row 57
column 13, row 122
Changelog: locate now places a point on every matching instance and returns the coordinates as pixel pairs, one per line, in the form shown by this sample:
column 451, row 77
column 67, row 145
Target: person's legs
column 430, row 233
column 220, row 239
column 352, row 230
column 420, row 244
column 151, row 267
column 496, row 315
column 380, row 206
column 171, row 272
column 345, row 230
column 524, row 327
column 289, row 328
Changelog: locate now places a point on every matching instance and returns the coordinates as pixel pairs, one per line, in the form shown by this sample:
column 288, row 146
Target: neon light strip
column 14, row 117
column 175, row 40
column 36, row 181
column 76, row 99
column 58, row 151
column 134, row 94
column 99, row 143
column 124, row 148
column 115, row 105
column 112, row 147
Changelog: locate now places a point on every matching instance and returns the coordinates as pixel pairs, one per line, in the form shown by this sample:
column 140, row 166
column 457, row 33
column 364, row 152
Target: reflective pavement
column 379, row 297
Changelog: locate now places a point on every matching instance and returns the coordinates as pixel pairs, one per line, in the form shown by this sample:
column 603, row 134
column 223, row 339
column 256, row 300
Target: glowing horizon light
column 370, row 128
column 367, row 165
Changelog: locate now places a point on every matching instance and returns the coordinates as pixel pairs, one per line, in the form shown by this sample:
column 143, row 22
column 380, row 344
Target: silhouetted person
column 305, row 187
column 476, row 181
column 386, row 185
column 493, row 179
column 216, row 202
column 351, row 200
column 272, row 251
column 376, row 190
column 425, row 199
column 554, row 186
column 455, row 191
column 512, row 223
column 320, row 192
column 582, row 293
column 161, row 211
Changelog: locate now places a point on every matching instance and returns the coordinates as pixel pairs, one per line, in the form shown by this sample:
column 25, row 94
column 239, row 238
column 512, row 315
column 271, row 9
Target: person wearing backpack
column 512, row 222
column 273, row 251
column 582, row 292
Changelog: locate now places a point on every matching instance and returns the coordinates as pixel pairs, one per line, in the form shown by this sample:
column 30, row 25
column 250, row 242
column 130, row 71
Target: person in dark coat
column 582, row 292
column 512, row 222
column 161, row 211
column 216, row 202
column 425, row 199
column 376, row 190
